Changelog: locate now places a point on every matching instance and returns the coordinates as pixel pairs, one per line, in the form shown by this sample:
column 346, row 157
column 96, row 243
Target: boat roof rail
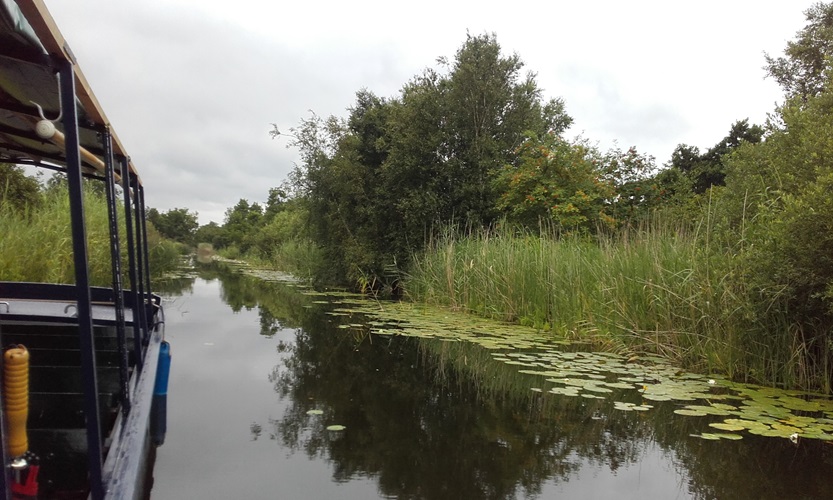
column 31, row 49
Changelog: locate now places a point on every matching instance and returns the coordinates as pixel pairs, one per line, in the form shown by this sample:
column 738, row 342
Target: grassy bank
column 657, row 290
column 37, row 242
column 299, row 257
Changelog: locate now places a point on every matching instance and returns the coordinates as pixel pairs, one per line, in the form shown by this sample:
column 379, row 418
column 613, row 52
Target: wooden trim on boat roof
column 56, row 45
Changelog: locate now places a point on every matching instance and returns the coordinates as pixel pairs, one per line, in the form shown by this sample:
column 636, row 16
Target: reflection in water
column 437, row 420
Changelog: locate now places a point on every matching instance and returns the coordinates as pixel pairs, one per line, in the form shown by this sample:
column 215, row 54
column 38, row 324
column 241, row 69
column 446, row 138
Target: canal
column 280, row 392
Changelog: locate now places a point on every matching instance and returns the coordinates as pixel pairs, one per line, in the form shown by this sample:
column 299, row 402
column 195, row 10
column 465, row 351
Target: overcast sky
column 192, row 86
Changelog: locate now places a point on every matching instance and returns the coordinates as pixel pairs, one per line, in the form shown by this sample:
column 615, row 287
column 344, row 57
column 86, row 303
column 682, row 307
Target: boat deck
column 56, row 425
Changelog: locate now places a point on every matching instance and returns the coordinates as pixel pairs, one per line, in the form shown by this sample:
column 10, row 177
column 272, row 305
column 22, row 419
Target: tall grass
column 656, row 290
column 299, row 257
column 36, row 243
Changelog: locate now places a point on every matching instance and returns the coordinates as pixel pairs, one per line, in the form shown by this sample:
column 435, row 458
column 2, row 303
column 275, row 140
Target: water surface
column 424, row 419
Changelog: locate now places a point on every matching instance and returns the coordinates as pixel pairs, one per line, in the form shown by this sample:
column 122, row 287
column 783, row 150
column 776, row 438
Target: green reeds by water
column 36, row 244
column 657, row 290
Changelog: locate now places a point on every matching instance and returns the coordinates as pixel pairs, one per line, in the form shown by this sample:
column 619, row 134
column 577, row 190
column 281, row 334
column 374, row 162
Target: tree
column 241, row 224
column 176, row 224
column 557, row 181
column 800, row 72
column 374, row 185
column 453, row 132
column 707, row 169
column 490, row 106
column 636, row 190
column 776, row 210
column 275, row 202
column 17, row 190
column 210, row 233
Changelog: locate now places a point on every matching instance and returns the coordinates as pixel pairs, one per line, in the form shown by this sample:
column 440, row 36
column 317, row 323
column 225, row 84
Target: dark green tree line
column 377, row 183
column 177, row 224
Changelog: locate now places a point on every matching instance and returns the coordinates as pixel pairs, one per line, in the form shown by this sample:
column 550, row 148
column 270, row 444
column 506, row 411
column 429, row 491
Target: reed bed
column 656, row 290
column 36, row 243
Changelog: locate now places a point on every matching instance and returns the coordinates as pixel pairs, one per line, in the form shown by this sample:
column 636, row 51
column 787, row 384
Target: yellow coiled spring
column 16, row 398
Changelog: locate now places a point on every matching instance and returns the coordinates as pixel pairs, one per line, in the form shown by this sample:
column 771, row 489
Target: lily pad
column 336, row 427
column 315, row 412
column 690, row 413
column 723, row 426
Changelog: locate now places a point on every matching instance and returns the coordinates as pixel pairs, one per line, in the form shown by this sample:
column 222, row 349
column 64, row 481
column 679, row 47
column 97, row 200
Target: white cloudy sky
column 191, row 86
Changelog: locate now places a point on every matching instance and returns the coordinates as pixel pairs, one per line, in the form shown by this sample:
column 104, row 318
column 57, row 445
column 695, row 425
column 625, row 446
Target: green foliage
column 648, row 290
column 702, row 171
column 178, row 224
column 635, row 191
column 240, row 225
column 303, row 259
column 211, row 234
column 41, row 249
column 777, row 199
column 801, row 71
column 18, row 190
column 376, row 183
column 556, row 181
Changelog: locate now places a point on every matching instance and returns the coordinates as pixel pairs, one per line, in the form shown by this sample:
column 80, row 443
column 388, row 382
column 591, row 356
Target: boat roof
column 30, row 48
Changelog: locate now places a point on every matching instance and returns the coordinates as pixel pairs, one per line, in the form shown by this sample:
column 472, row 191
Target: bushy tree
column 636, row 190
column 241, row 224
column 776, row 208
column 378, row 182
column 178, row 224
column 17, row 190
column 702, row 171
column 556, row 181
column 801, row 70
column 210, row 233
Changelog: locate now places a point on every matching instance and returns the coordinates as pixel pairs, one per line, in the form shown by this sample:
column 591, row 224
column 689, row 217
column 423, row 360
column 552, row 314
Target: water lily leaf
column 707, row 436
column 620, row 385
column 690, row 413
column 315, row 412
column 745, row 424
column 708, row 410
column 726, row 435
column 724, row 407
column 595, row 388
column 565, row 391
column 336, row 427
column 786, row 429
column 657, row 397
column 723, row 426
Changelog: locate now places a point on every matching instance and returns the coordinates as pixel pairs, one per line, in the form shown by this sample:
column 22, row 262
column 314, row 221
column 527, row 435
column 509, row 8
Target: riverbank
column 657, row 292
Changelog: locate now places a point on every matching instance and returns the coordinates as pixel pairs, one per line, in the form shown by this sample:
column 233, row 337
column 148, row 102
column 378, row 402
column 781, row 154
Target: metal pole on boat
column 115, row 258
column 139, row 212
column 82, row 279
column 131, row 260
column 5, row 474
column 146, row 255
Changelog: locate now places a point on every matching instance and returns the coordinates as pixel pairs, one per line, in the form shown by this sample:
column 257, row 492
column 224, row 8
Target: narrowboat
column 84, row 368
